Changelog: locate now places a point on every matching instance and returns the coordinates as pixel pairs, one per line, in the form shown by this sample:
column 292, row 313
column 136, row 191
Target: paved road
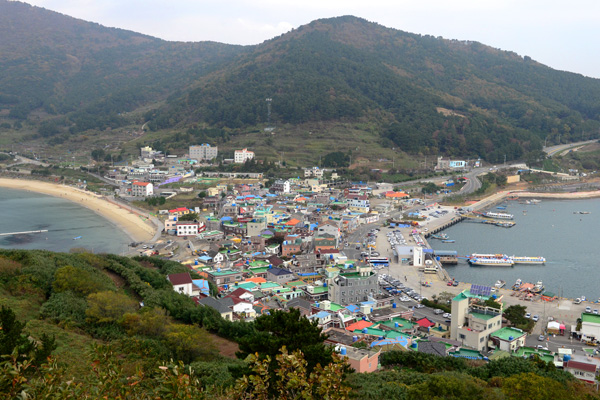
column 554, row 150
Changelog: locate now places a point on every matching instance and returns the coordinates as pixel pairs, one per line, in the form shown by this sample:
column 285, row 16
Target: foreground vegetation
column 93, row 326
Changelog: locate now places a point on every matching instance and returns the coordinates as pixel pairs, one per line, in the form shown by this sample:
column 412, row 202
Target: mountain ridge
column 339, row 71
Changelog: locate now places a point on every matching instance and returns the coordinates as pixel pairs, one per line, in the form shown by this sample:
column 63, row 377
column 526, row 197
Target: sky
column 564, row 35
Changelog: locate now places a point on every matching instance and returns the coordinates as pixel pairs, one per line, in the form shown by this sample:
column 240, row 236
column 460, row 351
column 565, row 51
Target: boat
column 538, row 288
column 499, row 284
column 448, row 241
column 581, row 212
column 497, row 215
column 487, row 256
column 501, row 207
column 77, row 237
column 497, row 262
column 517, row 284
column 440, row 236
column 528, row 260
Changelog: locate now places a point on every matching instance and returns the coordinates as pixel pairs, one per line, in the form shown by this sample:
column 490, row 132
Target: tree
column 289, row 329
column 189, row 343
column 98, row 154
column 189, row 217
column 516, row 314
column 292, row 380
column 77, row 280
column 202, row 194
column 430, row 187
column 108, row 307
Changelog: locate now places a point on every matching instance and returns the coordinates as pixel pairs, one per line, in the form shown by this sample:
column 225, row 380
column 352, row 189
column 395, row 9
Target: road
column 554, row 150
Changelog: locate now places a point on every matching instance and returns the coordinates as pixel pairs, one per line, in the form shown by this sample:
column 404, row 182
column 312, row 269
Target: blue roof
column 307, row 274
column 226, row 219
column 321, row 314
column 397, row 340
column 204, row 258
column 352, row 308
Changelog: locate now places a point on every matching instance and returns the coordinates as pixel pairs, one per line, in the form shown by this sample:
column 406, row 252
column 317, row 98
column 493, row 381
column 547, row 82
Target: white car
column 447, row 315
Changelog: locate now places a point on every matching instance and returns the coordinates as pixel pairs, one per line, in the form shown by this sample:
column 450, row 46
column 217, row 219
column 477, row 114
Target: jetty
column 23, row 233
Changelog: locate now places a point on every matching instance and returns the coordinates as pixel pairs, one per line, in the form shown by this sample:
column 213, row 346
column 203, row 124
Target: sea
column 553, row 229
column 69, row 225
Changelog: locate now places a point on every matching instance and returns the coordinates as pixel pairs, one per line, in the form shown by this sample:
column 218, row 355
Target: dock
column 23, row 233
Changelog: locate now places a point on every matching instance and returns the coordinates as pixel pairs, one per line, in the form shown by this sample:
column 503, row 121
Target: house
column 590, row 327
column 241, row 156
column 182, row 282
column 243, row 294
column 353, row 286
column 142, row 189
column 189, row 228
column 179, row 211
column 585, row 371
column 224, row 278
column 201, row 286
column 279, row 275
column 472, row 321
column 224, row 310
column 280, row 186
column 359, row 203
column 301, row 304
column 509, row 339
column 361, row 360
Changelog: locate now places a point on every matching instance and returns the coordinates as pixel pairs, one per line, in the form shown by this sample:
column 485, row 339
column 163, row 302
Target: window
column 461, row 336
column 481, row 340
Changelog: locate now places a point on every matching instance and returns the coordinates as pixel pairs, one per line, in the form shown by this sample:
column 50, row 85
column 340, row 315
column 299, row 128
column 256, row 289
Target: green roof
column 402, row 324
column 320, row 289
column 335, row 307
column 247, row 285
column 226, row 272
column 258, row 270
column 467, row 353
column 259, row 263
column 269, row 285
column 588, row 317
column 482, row 316
column 507, row 332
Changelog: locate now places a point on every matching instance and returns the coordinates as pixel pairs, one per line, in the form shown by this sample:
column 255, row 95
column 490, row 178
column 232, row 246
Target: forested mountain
column 420, row 93
column 88, row 72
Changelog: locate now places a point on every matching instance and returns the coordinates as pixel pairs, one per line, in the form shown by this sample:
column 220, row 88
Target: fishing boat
column 500, row 284
column 528, row 260
column 496, row 262
column 448, row 241
column 441, row 236
column 77, row 237
column 538, row 288
column 517, row 284
column 581, row 212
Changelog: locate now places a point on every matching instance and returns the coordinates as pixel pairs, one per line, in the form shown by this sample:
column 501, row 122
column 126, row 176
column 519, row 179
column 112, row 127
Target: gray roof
column 436, row 348
column 279, row 271
column 216, row 304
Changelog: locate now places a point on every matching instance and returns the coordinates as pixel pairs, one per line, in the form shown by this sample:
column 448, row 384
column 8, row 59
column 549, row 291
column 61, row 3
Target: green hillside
column 90, row 326
column 65, row 81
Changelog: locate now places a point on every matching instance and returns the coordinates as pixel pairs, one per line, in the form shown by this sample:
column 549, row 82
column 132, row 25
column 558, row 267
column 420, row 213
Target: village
column 351, row 256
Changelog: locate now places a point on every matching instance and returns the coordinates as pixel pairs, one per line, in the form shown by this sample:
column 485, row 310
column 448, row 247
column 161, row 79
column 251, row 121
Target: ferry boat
column 499, row 284
column 487, row 256
column 448, row 241
column 497, row 215
column 497, row 262
column 528, row 260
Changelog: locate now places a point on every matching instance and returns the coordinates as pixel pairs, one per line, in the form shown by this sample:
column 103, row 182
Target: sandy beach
column 138, row 228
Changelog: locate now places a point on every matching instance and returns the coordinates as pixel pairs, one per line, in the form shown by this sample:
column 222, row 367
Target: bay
column 552, row 229
column 22, row 211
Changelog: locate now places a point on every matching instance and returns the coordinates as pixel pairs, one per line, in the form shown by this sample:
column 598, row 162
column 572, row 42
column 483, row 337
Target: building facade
column 353, row 286
column 241, row 156
column 204, row 152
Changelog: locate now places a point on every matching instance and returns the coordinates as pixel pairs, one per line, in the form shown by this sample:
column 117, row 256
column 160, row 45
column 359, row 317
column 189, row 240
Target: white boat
column 517, row 284
column 500, row 283
column 497, row 262
column 497, row 215
column 487, row 256
column 528, row 260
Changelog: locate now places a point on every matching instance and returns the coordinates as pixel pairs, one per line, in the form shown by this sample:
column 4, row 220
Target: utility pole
column 505, row 159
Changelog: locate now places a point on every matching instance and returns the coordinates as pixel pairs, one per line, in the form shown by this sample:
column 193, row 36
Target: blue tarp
column 352, row 308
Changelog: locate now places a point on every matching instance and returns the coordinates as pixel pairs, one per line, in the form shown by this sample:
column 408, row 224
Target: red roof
column 360, row 325
column 180, row 209
column 580, row 366
column 238, row 292
column 180, row 279
column 425, row 323
column 141, row 183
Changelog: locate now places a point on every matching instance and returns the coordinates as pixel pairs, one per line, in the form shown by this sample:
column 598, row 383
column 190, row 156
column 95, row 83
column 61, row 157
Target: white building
column 189, row 228
column 204, row 152
column 359, row 203
column 314, row 171
column 473, row 322
column 142, row 189
column 590, row 326
column 241, row 156
column 182, row 283
column 280, row 186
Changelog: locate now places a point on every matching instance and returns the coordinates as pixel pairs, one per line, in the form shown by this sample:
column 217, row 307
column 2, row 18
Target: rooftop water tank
column 354, row 338
column 566, row 357
column 365, row 330
column 393, row 305
column 396, row 325
column 343, row 351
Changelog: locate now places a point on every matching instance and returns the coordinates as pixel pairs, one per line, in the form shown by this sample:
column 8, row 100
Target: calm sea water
column 25, row 211
column 568, row 241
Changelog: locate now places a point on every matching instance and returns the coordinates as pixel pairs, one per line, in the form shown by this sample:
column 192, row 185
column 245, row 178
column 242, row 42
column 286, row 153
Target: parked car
column 437, row 311
column 528, row 315
column 535, row 318
column 455, row 283
column 419, row 305
column 588, row 309
column 541, row 338
column 447, row 315
column 541, row 347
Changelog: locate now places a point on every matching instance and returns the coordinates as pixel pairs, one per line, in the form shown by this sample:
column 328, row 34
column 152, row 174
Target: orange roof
column 256, row 279
column 396, row 194
column 360, row 325
column 293, row 221
column 300, row 199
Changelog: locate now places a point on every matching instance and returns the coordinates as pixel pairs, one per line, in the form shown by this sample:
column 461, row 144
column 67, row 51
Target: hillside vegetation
column 82, row 325
column 407, row 92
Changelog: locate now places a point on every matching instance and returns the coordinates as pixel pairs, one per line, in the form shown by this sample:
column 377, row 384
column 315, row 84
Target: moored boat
column 528, row 260
column 497, row 262
column 500, row 283
column 517, row 284
column 497, row 215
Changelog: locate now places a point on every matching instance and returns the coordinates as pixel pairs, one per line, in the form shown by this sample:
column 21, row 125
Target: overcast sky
column 562, row 34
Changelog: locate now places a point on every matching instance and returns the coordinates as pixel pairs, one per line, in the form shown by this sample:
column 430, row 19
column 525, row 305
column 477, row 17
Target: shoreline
column 126, row 220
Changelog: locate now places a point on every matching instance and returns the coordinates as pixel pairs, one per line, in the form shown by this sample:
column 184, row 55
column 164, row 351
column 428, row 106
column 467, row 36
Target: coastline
column 130, row 223
column 566, row 195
